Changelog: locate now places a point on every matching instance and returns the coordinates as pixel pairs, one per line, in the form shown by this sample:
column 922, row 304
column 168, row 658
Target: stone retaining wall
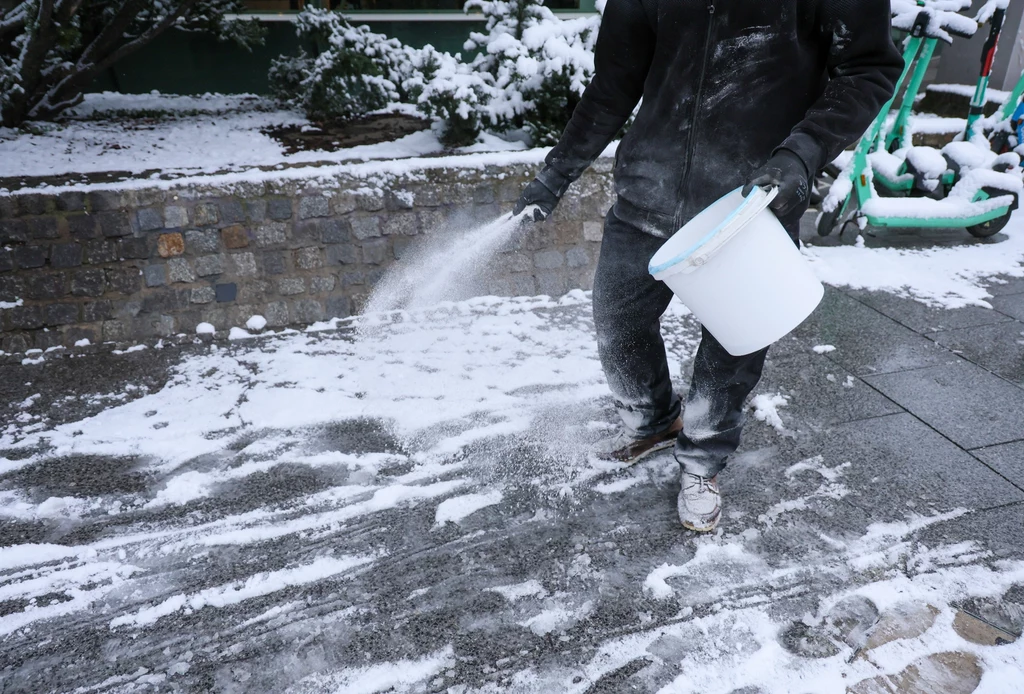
column 127, row 266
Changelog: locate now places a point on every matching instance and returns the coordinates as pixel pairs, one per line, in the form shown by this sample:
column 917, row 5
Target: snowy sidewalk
column 412, row 509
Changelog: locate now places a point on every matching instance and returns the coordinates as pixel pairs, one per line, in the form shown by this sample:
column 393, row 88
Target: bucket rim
column 755, row 202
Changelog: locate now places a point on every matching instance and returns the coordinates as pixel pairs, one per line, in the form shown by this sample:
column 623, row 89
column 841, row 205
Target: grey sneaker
column 623, row 448
column 700, row 503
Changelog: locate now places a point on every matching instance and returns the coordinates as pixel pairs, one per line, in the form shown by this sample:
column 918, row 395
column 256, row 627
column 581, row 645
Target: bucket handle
column 755, row 203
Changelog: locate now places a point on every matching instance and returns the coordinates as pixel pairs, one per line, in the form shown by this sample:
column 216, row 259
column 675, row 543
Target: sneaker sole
column 650, row 451
column 708, row 527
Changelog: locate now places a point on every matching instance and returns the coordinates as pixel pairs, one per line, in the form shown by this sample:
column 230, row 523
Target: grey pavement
column 917, row 414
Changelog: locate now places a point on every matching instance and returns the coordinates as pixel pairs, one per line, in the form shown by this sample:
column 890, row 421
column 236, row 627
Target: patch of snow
column 256, row 323
column 518, row 591
column 205, row 329
column 824, row 349
column 84, row 342
column 766, row 409
column 455, row 509
column 11, row 304
column 400, row 676
column 238, row 334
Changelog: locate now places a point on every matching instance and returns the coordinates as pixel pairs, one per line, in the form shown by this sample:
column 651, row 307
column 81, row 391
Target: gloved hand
column 788, row 172
column 545, row 192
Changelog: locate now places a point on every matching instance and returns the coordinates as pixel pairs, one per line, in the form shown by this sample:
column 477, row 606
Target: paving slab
column 1006, row 459
column 898, row 463
column 1010, row 304
column 866, row 341
column 996, row 530
column 926, row 319
column 821, row 392
column 961, row 400
column 1006, row 285
column 998, row 348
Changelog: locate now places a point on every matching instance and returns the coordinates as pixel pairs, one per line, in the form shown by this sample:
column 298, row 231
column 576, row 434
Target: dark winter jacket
column 724, row 83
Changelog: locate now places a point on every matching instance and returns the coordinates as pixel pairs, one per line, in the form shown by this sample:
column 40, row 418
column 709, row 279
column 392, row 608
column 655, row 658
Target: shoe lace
column 702, row 484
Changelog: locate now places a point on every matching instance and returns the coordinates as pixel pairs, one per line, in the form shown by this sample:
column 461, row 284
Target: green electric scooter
column 902, row 195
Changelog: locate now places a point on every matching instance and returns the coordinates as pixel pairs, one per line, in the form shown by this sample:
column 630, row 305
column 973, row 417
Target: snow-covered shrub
column 540, row 64
column 52, row 50
column 444, row 87
column 351, row 76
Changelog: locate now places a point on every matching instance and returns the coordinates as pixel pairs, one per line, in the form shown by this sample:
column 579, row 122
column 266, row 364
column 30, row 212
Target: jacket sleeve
column 863, row 67
column 622, row 58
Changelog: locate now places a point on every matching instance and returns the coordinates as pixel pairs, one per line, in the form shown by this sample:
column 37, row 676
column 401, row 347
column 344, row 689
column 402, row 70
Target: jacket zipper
column 692, row 144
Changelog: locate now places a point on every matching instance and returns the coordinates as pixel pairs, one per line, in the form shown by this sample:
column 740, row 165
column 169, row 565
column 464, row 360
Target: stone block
column 517, row 262
column 290, row 286
column 100, row 251
column 23, row 318
column 89, row 282
column 105, row 200
column 255, row 292
column 548, row 260
column 243, row 264
column 64, row 255
column 337, row 307
column 62, row 314
column 522, row 285
column 400, row 246
column 235, row 236
column 271, row 234
column 569, row 233
column 509, row 190
column 554, row 284
column 342, row 254
column 179, row 271
column 155, row 275
column 313, row 206
column 175, row 217
column 593, row 231
column 279, row 208
column 34, row 204
column 226, row 293
column 93, row 311
column 404, row 223
column 320, row 285
column 48, row 286
column 209, row 265
column 42, row 227
column 12, row 231
column 149, row 219
column 201, row 242
column 231, row 211
column 155, row 326
column 71, row 201
column 365, row 227
column 82, row 226
column 274, row 263
column 276, row 313
column 27, row 257
column 8, row 207
column 399, row 200
column 370, row 200
column 205, row 214
column 334, row 230
column 6, row 260
column 12, row 288
column 170, row 245
column 375, row 251
column 433, row 220
column 428, row 196
column 113, row 224
column 116, row 331
column 577, row 257
column 256, row 209
column 484, row 194
column 309, row 258
column 128, row 309
column 127, row 280
column 165, row 301
column 134, row 248
column 75, row 333
column 144, row 197
column 353, row 278
column 307, row 311
column 343, row 203
column 202, row 295
column 16, row 343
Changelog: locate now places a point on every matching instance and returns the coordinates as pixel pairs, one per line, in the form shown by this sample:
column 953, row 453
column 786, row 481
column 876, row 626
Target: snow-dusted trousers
column 628, row 305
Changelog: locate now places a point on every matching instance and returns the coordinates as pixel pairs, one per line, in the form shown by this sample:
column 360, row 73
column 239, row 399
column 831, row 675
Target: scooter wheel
column 827, row 221
column 993, row 226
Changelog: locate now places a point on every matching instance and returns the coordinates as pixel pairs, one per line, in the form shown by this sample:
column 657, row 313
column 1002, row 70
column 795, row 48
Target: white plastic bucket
column 738, row 271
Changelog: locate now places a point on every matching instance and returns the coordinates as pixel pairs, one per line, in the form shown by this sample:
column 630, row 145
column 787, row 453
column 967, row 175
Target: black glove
column 788, row 172
column 545, row 192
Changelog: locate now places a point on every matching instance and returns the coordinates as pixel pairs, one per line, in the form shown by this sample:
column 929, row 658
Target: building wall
column 960, row 62
column 128, row 266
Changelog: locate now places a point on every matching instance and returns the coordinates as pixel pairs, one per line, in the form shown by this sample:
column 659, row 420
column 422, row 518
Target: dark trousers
column 628, row 305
